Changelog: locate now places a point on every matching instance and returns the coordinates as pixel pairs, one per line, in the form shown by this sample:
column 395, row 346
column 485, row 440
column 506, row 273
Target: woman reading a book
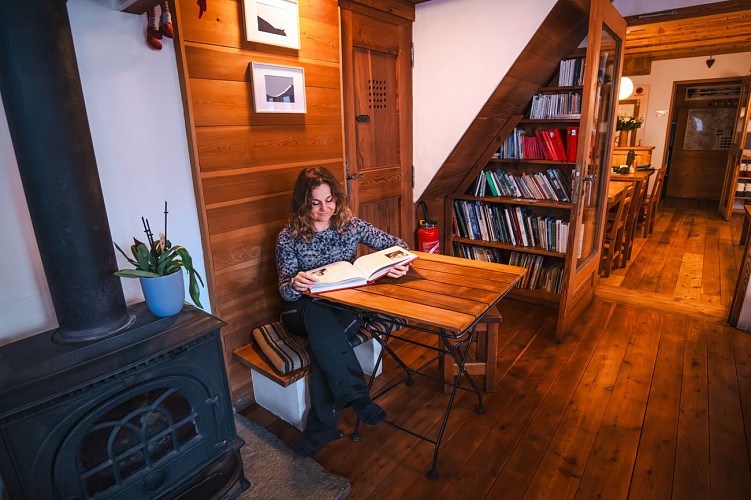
column 322, row 230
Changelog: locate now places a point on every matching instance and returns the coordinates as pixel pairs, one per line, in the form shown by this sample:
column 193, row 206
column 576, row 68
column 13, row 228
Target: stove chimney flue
column 43, row 99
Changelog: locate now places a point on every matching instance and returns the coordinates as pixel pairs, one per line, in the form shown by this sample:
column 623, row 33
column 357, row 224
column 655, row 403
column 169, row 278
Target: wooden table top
column 439, row 290
column 638, row 175
column 615, row 192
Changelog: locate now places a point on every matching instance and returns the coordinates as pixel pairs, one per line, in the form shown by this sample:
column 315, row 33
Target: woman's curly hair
column 300, row 221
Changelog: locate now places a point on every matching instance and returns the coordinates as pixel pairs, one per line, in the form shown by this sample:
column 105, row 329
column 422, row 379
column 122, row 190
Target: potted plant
column 624, row 125
column 158, row 266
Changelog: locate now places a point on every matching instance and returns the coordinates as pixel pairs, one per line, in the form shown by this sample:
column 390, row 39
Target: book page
column 377, row 264
column 335, row 272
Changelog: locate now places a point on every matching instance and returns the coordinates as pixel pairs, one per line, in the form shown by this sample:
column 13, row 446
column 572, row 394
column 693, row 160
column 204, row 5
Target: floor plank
column 649, row 397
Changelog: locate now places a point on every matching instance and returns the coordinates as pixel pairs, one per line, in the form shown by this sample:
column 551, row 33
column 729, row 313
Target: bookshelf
column 583, row 113
column 743, row 186
column 518, row 209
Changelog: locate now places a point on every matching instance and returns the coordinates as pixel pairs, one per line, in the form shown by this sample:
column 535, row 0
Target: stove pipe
column 44, row 104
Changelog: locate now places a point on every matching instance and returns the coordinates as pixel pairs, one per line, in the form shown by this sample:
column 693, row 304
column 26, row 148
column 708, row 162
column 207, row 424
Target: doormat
column 277, row 473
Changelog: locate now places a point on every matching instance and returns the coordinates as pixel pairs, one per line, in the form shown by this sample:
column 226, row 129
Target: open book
column 366, row 269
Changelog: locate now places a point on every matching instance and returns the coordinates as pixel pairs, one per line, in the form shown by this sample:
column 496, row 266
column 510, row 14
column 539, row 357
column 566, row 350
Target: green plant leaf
column 135, row 273
column 194, row 277
column 133, row 262
column 145, row 259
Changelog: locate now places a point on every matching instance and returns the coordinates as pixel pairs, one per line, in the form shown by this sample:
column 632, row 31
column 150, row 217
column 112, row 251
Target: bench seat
column 285, row 392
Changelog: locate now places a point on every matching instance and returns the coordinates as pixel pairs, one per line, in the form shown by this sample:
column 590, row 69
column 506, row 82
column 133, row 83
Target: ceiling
column 703, row 30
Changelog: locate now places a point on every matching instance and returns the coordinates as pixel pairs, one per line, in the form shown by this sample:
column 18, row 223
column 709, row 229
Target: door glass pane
column 595, row 164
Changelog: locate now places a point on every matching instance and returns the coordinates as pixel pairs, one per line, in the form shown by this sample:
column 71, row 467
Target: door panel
column 604, row 61
column 700, row 148
column 736, row 149
column 378, row 120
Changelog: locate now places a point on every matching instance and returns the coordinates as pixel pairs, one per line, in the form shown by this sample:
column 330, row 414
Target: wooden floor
column 639, row 402
column 688, row 265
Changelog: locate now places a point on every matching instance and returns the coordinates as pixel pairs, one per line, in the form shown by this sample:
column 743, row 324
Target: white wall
column 135, row 114
column 463, row 49
column 660, row 82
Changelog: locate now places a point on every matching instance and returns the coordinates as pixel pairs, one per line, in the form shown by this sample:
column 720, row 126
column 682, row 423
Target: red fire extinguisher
column 428, row 239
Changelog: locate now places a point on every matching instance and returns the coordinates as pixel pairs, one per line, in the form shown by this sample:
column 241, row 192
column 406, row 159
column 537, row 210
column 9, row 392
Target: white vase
column 164, row 295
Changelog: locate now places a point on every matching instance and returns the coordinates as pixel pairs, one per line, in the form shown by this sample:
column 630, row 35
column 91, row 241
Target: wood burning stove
column 115, row 403
column 142, row 414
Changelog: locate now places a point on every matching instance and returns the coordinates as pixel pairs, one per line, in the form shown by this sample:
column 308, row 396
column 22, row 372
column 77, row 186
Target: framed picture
column 275, row 22
column 278, row 89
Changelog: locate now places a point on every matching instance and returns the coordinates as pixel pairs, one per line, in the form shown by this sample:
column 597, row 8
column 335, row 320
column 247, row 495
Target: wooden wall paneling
column 237, row 147
column 257, row 211
column 244, row 162
column 223, row 103
column 222, row 25
column 235, row 249
column 242, row 184
column 223, row 63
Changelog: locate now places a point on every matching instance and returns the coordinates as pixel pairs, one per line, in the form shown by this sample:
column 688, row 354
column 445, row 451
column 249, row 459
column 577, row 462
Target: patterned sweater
column 293, row 256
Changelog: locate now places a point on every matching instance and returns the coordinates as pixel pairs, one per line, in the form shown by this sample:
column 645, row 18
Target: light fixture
column 626, row 88
column 710, row 61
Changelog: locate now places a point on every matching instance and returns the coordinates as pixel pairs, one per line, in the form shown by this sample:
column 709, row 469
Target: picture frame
column 274, row 22
column 278, row 89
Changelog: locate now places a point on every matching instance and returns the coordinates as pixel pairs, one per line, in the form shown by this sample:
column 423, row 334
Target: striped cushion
column 378, row 324
column 285, row 352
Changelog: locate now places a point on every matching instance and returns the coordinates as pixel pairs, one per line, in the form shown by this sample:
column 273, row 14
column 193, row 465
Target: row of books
column 542, row 144
column 513, row 225
column 743, row 189
column 551, row 106
column 542, row 273
column 571, row 72
column 550, row 184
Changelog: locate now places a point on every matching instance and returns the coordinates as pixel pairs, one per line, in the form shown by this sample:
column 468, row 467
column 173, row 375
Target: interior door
column 607, row 30
column 377, row 81
column 740, row 126
column 704, row 112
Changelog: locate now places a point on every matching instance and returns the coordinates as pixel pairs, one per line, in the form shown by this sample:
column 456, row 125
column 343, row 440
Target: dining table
column 442, row 295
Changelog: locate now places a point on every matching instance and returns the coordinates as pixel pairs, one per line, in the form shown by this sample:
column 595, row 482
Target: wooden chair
column 614, row 243
column 648, row 208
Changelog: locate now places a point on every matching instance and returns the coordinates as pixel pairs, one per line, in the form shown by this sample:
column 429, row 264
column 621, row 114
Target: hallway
column 688, row 265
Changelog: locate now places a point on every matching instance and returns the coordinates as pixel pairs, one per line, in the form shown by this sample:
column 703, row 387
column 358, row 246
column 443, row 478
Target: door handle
column 362, row 118
column 358, row 175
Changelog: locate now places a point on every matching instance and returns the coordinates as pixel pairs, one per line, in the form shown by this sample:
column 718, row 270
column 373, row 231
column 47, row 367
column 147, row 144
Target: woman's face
column 322, row 207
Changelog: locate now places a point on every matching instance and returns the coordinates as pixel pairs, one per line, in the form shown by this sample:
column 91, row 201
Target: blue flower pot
column 164, row 295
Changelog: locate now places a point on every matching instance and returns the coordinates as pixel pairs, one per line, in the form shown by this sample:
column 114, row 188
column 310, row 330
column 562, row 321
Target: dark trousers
column 336, row 378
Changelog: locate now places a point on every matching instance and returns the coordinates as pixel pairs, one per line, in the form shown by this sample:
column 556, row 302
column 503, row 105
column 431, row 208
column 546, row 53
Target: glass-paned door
column 604, row 61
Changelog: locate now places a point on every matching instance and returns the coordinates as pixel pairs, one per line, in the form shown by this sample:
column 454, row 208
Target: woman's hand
column 398, row 271
column 301, row 281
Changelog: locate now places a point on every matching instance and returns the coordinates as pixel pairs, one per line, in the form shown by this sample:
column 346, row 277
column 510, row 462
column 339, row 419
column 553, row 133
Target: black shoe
column 369, row 412
column 307, row 447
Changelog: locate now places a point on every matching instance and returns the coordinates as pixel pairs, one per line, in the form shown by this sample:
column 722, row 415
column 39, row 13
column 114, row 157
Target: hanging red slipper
column 153, row 35
column 165, row 21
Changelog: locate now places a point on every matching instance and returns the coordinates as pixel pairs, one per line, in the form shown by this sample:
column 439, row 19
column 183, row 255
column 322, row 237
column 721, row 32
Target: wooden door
column 607, row 30
column 377, row 81
column 736, row 150
column 703, row 113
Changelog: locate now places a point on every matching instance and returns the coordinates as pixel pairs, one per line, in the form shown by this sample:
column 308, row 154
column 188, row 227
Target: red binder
column 572, row 139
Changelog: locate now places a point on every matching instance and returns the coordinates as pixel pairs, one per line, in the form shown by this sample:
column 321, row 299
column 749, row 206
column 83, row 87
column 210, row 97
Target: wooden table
column 443, row 295
column 641, row 180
